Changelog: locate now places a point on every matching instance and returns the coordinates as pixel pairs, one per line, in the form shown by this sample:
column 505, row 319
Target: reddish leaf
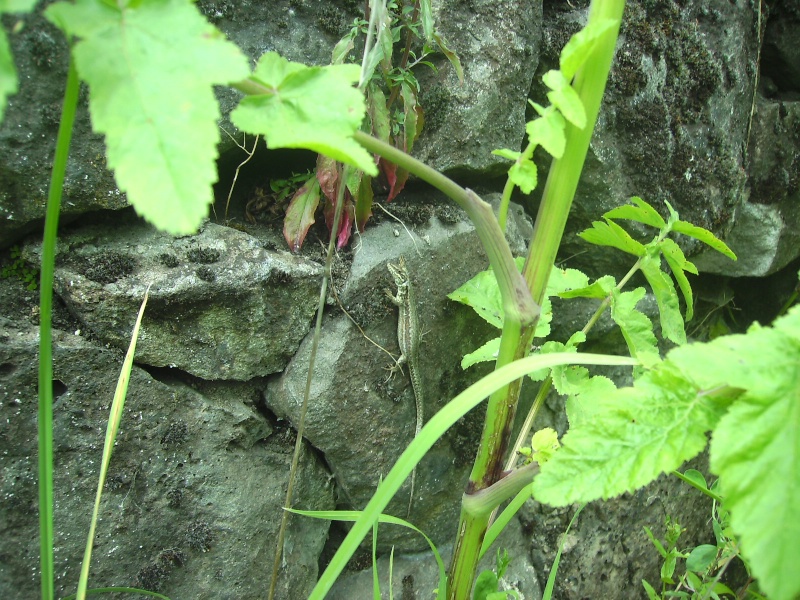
column 346, row 222
column 300, row 214
column 328, row 176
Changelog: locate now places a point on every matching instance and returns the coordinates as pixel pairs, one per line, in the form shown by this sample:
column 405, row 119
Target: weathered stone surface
column 362, row 420
column 221, row 307
column 498, row 44
column 193, row 498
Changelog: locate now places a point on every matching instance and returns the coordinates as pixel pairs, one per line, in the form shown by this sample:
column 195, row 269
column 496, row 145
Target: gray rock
column 221, row 307
column 498, row 44
column 193, row 497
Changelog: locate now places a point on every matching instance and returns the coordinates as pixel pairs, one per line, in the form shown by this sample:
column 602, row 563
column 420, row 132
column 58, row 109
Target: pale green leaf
column 609, row 233
column 678, row 264
column 672, row 326
column 636, row 327
column 633, row 435
column 599, row 289
column 488, row 352
column 150, row 71
column 580, row 45
column 548, row 132
column 639, row 211
column 524, row 175
column 705, row 236
column 755, row 449
column 564, row 97
column 561, row 280
column 506, row 153
column 316, row 108
column 8, row 74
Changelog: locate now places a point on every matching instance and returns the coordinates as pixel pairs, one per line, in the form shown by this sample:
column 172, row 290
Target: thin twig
column 236, row 174
column 396, row 218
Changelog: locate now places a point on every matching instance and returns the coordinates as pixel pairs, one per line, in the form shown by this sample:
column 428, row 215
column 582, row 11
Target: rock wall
column 702, row 112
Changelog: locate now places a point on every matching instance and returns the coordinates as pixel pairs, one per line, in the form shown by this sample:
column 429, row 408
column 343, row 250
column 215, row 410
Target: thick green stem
column 45, row 337
column 559, row 192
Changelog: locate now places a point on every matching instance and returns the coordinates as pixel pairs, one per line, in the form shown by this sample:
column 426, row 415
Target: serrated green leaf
column 581, row 45
column 599, row 289
column 639, row 211
column 636, row 327
column 524, row 175
column 672, row 326
column 703, row 235
column 608, row 233
column 564, row 97
column 483, row 295
column 634, row 435
column 756, row 446
column 548, row 132
column 316, row 108
column 150, row 71
column 488, row 352
column 678, row 264
column 561, row 280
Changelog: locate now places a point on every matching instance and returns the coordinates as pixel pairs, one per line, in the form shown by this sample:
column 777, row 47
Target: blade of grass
column 114, row 418
column 551, row 579
column 45, row 411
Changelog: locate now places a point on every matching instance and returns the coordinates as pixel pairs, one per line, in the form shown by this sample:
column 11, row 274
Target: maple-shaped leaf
column 300, row 213
column 634, row 434
column 316, row 108
column 150, row 66
column 8, row 74
column 755, row 449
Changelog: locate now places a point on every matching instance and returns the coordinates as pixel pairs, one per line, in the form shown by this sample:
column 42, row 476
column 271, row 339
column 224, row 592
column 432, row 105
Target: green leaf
column 633, row 435
column 701, row 558
column 316, row 108
column 639, row 211
column 564, row 97
column 524, row 175
column 756, row 446
column 485, row 584
column 300, row 214
column 705, row 236
column 609, row 233
column 506, row 153
column 488, row 352
column 697, row 477
column 548, row 132
column 561, row 280
column 651, row 593
column 8, row 74
column 672, row 326
column 581, row 45
column 150, row 71
column 544, row 444
column 599, row 289
column 678, row 264
column 636, row 327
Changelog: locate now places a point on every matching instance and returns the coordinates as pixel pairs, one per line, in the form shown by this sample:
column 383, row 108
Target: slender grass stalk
column 45, row 334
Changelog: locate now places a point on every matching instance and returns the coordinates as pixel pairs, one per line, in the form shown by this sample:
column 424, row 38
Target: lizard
column 408, row 337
